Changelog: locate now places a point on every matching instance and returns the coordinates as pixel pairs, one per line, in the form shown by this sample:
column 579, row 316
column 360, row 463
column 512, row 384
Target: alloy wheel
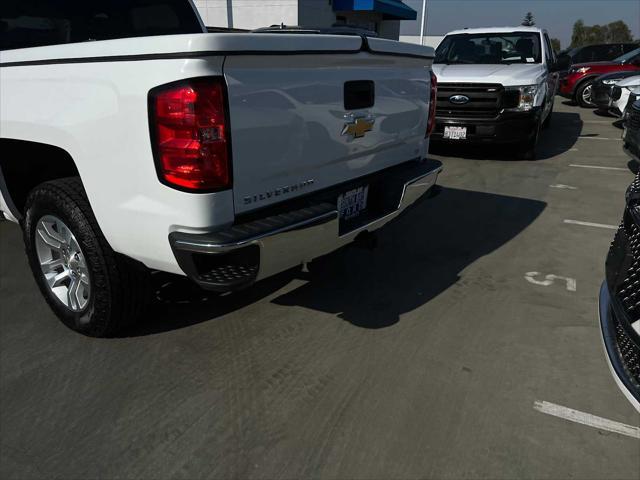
column 62, row 263
column 586, row 94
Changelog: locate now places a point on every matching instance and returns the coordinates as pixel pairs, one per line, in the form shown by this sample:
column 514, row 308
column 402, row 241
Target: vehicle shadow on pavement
column 560, row 137
column 177, row 302
column 420, row 255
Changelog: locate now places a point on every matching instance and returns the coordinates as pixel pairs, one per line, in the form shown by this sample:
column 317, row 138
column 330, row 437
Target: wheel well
column 24, row 165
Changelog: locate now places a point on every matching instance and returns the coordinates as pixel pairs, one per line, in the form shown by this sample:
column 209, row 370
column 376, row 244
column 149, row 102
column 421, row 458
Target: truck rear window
column 490, row 48
column 36, row 23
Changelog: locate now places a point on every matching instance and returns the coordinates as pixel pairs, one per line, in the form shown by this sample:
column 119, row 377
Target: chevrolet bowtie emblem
column 357, row 127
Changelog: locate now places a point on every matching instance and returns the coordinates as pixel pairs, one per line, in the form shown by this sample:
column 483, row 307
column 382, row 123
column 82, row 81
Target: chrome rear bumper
column 248, row 252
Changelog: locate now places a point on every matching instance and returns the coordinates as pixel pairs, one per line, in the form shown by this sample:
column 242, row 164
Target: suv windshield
column 490, row 48
column 628, row 56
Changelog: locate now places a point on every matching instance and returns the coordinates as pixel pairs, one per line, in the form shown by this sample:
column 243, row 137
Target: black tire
column 119, row 285
column 547, row 121
column 528, row 150
column 581, row 94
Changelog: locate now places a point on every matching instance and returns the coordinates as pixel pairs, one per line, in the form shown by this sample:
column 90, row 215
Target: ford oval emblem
column 459, row 99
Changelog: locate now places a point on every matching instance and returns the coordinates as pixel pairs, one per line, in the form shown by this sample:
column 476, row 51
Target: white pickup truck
column 132, row 140
column 495, row 85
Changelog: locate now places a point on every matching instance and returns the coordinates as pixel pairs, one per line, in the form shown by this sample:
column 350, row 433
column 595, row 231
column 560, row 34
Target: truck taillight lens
column 433, row 99
column 189, row 130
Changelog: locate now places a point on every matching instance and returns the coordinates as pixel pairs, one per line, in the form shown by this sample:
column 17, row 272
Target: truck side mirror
column 563, row 63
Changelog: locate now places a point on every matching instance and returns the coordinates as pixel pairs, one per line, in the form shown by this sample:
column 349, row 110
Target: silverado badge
column 357, row 127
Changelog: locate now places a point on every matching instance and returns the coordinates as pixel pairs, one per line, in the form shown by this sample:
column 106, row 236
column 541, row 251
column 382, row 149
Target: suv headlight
column 527, row 95
column 610, row 81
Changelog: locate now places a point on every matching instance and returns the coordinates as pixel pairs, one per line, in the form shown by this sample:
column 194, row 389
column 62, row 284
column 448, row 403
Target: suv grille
column 623, row 277
column 486, row 100
column 628, row 289
column 629, row 352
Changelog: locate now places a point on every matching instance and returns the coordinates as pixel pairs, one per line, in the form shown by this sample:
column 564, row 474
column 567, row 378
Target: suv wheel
column 92, row 289
column 583, row 94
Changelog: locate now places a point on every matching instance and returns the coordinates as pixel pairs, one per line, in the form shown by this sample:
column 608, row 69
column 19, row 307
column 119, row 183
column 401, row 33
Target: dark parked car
column 620, row 302
column 594, row 53
column 620, row 292
column 631, row 135
column 603, row 87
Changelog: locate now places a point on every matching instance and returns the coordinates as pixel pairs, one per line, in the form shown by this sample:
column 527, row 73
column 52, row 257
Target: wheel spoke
column 56, row 279
column 72, row 293
column 84, row 290
column 82, row 264
column 50, row 237
column 69, row 239
column 73, row 245
column 50, row 265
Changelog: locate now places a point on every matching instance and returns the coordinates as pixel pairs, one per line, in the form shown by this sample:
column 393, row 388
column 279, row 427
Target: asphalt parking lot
column 421, row 359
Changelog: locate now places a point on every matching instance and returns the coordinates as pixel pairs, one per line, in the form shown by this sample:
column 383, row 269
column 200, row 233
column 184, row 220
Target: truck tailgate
column 303, row 121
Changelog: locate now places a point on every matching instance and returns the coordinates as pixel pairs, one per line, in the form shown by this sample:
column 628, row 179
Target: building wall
column 248, row 14
column 389, row 29
column 315, row 13
column 251, row 14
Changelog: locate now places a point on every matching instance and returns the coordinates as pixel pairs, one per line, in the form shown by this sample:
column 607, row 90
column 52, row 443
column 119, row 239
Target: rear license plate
column 455, row 133
column 353, row 203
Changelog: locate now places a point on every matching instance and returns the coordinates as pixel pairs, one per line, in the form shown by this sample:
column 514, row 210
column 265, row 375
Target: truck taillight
column 433, row 99
column 189, row 131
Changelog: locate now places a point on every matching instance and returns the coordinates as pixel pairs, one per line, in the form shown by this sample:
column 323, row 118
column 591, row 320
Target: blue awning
column 391, row 9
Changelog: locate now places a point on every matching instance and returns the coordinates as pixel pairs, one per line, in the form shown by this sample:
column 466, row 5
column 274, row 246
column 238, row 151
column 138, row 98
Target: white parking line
column 571, row 283
column 598, row 167
column 600, row 138
column 586, row 419
column 563, row 187
column 590, row 224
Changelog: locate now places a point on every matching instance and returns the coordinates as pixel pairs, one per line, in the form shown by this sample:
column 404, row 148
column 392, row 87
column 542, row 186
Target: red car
column 577, row 85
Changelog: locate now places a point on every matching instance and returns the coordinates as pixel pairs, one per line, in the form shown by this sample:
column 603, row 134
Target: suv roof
column 519, row 28
column 604, row 45
column 575, row 50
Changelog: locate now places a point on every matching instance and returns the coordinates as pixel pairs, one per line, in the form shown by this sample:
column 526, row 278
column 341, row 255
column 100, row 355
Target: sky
column 557, row 16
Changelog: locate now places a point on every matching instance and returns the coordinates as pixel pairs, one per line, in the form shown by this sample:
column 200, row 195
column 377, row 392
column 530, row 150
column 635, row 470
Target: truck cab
column 495, row 85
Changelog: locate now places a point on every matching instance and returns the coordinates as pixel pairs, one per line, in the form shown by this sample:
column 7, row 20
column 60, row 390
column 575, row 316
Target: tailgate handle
column 359, row 94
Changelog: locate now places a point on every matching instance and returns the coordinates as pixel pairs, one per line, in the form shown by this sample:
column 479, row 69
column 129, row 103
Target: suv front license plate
column 455, row 133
